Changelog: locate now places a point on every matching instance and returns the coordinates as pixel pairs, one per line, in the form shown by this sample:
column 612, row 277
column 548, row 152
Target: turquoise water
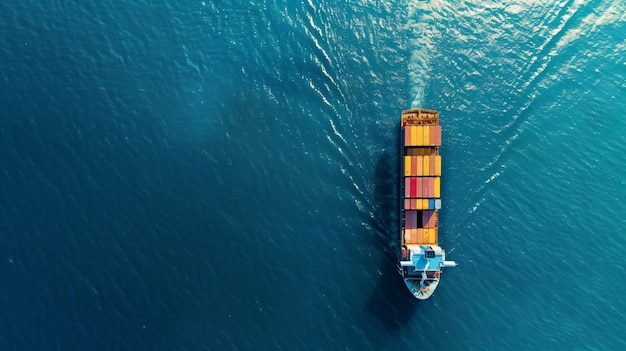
column 223, row 175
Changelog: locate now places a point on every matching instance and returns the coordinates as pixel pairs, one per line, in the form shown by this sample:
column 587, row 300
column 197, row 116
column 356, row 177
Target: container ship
column 421, row 257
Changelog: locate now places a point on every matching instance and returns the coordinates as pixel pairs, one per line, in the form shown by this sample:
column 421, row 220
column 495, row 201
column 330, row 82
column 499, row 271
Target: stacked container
column 421, row 183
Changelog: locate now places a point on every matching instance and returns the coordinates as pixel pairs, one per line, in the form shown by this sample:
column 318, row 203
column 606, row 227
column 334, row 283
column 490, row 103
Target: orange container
column 431, row 187
column 419, row 165
column 433, row 135
column 432, row 165
column 419, row 236
column 438, row 135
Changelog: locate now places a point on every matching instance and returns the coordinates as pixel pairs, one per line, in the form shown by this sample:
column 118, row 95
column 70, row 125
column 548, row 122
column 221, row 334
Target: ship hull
column 421, row 257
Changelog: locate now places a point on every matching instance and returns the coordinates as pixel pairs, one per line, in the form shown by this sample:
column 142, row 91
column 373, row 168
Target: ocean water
column 222, row 175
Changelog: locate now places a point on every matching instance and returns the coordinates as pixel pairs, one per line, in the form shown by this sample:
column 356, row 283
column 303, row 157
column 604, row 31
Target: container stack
column 421, row 184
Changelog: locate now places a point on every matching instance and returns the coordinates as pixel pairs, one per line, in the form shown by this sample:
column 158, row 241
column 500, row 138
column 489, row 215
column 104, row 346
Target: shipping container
column 407, row 166
column 407, row 136
column 432, row 140
column 410, row 219
column 419, row 187
column 432, row 223
column 419, row 236
column 407, row 187
column 419, row 165
column 426, row 218
column 413, row 133
column 431, row 188
column 425, row 236
column 419, row 136
column 433, row 165
column 421, row 256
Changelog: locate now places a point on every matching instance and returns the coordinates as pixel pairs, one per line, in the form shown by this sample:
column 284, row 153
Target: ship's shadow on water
column 390, row 301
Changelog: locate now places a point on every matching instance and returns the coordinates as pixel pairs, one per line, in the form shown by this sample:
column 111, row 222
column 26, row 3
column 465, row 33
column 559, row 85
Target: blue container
column 431, row 204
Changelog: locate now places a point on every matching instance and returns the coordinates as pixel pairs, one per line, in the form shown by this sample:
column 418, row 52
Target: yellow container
column 418, row 204
column 413, row 135
column 426, row 137
column 437, row 187
column 424, row 204
column 437, row 165
column 407, row 166
column 426, row 166
column 419, row 135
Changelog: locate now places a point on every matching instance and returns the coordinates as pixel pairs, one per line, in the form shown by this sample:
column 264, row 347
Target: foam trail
column 424, row 35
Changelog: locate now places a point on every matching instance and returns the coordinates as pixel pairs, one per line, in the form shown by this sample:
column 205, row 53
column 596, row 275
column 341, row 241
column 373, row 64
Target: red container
column 413, row 204
column 413, row 187
column 438, row 135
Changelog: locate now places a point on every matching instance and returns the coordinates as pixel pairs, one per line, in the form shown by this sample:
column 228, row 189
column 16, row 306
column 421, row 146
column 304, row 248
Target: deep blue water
column 222, row 175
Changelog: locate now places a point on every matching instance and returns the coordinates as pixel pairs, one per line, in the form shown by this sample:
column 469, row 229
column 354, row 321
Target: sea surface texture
column 223, row 175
